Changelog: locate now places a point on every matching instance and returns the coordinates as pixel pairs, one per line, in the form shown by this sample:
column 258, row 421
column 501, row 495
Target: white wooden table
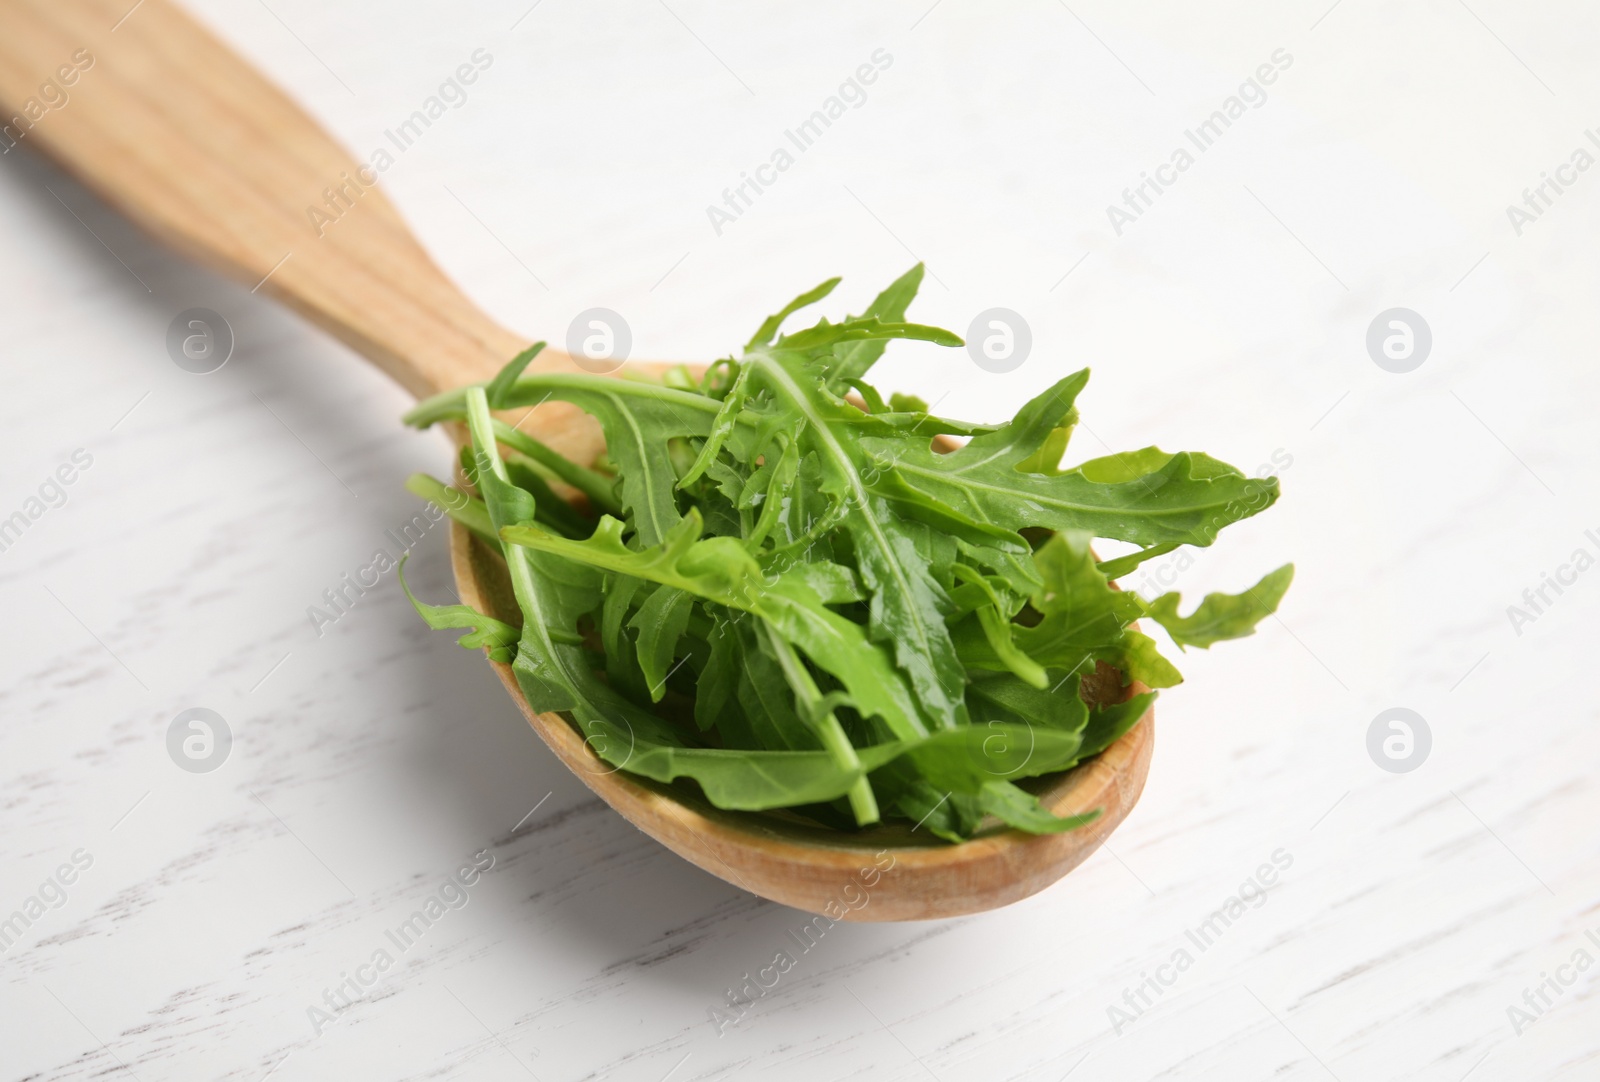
column 1417, row 925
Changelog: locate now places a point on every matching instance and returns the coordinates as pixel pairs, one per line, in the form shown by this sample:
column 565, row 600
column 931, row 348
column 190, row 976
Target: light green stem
column 863, row 804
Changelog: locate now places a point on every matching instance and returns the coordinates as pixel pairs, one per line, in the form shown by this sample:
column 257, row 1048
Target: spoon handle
column 183, row 136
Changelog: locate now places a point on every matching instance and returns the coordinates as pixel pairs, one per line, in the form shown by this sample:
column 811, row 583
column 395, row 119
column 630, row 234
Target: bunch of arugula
column 784, row 592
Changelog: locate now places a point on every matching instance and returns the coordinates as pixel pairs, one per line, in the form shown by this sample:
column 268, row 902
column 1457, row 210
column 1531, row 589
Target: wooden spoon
column 179, row 133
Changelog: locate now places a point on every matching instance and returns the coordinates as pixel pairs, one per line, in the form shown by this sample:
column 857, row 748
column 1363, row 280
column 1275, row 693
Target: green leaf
column 770, row 327
column 1006, row 697
column 596, row 486
column 820, row 716
column 832, row 583
column 1047, row 459
column 638, row 418
column 1136, row 654
column 852, row 360
column 621, row 652
column 995, row 619
column 1080, row 612
column 769, row 703
column 919, row 426
column 554, row 675
column 499, row 388
column 719, row 570
column 465, row 509
column 964, row 760
column 1080, row 619
column 867, row 628
column 734, row 779
column 722, row 426
column 779, row 481
column 1115, row 569
column 495, row 636
column 869, row 394
column 661, row 622
column 1128, row 466
column 906, row 611
column 940, row 813
column 1146, row 497
column 1023, row 811
column 1108, row 724
column 550, row 509
column 1222, row 616
column 865, row 329
column 717, row 687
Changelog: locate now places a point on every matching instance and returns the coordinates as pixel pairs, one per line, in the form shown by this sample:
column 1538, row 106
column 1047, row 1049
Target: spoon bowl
column 787, row 859
column 171, row 127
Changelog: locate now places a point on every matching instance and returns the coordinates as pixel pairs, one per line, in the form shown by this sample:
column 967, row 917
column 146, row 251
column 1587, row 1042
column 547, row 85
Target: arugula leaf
column 770, row 327
column 967, row 759
column 636, row 417
column 1136, row 654
column 465, row 509
column 661, row 622
column 719, row 570
column 1006, row 697
column 621, row 652
column 718, row 684
column 994, row 617
column 792, row 599
column 1079, row 615
column 1222, row 616
column 908, row 604
column 495, row 636
column 1148, row 497
column 851, row 361
column 1115, row 569
column 554, row 675
column 549, row 509
column 499, row 388
column 1023, row 811
column 819, row 712
column 768, row 700
column 596, row 486
column 865, row 329
column 1108, row 724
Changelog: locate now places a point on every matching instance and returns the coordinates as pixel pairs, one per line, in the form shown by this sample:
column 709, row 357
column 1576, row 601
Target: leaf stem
column 598, row 487
column 465, row 509
column 481, row 424
column 863, row 804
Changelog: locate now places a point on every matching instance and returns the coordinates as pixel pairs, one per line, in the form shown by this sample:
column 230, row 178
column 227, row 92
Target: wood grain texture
column 182, row 136
column 179, row 133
